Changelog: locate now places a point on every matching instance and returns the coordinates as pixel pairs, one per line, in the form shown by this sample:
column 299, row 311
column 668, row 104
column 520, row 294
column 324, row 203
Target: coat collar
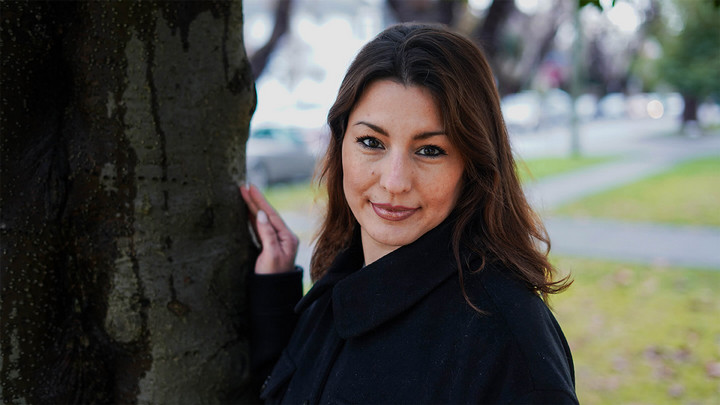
column 366, row 298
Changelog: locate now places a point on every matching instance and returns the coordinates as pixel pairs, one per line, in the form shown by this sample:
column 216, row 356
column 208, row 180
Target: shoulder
column 530, row 327
column 508, row 297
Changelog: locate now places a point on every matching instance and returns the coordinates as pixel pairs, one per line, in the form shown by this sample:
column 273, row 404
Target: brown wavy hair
column 492, row 216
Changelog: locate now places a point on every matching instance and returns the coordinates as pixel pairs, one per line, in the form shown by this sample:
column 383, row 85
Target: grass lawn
column 294, row 197
column 642, row 334
column 536, row 169
column 687, row 194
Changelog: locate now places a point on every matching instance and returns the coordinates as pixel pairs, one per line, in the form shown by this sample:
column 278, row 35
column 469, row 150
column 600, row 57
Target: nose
column 396, row 176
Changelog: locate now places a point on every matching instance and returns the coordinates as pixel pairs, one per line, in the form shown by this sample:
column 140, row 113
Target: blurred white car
column 674, row 104
column 613, row 105
column 275, row 154
column 556, row 107
column 586, row 106
column 637, row 105
column 521, row 111
column 530, row 110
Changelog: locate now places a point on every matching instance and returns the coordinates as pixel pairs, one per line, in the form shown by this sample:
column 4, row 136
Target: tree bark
column 124, row 245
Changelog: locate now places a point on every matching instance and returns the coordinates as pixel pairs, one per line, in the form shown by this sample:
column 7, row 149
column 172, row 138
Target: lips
column 393, row 212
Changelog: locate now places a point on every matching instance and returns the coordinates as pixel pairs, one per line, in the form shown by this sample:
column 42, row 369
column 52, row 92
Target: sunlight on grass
column 642, row 334
column 687, row 194
column 536, row 169
column 300, row 197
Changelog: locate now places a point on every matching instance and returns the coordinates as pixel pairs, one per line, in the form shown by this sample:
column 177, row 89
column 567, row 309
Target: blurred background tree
column 299, row 53
column 259, row 58
column 691, row 57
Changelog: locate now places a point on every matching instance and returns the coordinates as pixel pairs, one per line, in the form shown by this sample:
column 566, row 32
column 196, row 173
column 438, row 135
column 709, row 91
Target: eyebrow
column 380, row 130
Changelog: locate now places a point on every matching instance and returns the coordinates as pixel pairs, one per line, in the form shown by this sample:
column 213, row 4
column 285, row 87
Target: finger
column 252, row 212
column 262, row 204
column 258, row 198
column 268, row 234
column 274, row 257
column 251, row 204
column 284, row 239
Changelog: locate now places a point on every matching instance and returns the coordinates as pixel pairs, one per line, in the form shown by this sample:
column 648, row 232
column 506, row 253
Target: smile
column 393, row 212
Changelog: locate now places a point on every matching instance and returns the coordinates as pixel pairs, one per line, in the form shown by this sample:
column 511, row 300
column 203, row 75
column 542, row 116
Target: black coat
column 400, row 331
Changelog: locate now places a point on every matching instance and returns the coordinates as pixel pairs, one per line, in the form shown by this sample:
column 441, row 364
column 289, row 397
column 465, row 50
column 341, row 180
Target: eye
column 369, row 142
column 431, row 151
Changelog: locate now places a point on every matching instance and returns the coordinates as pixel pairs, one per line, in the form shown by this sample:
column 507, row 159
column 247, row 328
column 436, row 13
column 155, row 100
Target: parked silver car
column 277, row 154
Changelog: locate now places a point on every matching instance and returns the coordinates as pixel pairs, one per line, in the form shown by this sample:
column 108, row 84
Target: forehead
column 394, row 103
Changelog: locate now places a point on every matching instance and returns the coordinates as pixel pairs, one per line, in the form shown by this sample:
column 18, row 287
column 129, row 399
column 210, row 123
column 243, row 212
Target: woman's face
column 401, row 175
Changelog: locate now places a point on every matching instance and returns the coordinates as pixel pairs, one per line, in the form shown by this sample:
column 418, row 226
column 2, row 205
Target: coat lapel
column 365, row 299
column 347, row 262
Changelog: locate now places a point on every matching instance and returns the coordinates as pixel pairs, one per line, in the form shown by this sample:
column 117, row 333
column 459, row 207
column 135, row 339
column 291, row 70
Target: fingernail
column 262, row 217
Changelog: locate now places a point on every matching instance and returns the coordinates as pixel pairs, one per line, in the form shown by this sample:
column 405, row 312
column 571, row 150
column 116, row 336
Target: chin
column 390, row 238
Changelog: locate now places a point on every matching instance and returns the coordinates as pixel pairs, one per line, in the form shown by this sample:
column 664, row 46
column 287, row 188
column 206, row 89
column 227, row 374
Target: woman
column 429, row 279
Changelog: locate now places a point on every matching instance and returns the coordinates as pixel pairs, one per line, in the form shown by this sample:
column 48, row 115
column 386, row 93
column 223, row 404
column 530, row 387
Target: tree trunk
column 261, row 57
column 124, row 244
column 690, row 109
column 489, row 33
column 690, row 126
column 424, row 10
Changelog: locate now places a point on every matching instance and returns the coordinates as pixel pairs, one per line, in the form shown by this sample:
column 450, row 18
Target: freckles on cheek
column 440, row 193
column 354, row 178
column 437, row 188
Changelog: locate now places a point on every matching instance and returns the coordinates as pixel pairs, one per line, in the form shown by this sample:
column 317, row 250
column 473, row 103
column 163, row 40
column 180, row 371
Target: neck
column 372, row 250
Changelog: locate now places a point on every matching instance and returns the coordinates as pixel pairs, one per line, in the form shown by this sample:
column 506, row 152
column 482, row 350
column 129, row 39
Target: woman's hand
column 279, row 244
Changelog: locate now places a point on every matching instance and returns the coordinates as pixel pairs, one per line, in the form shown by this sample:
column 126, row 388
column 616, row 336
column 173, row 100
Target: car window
column 262, row 134
column 285, row 135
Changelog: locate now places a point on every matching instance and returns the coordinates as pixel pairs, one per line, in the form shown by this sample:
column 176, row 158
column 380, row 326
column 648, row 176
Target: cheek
column 356, row 176
column 440, row 196
column 358, row 170
column 443, row 190
column 352, row 173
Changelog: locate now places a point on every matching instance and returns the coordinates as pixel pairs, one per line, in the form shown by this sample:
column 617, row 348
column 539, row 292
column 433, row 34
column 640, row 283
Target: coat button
column 265, row 383
column 307, row 402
